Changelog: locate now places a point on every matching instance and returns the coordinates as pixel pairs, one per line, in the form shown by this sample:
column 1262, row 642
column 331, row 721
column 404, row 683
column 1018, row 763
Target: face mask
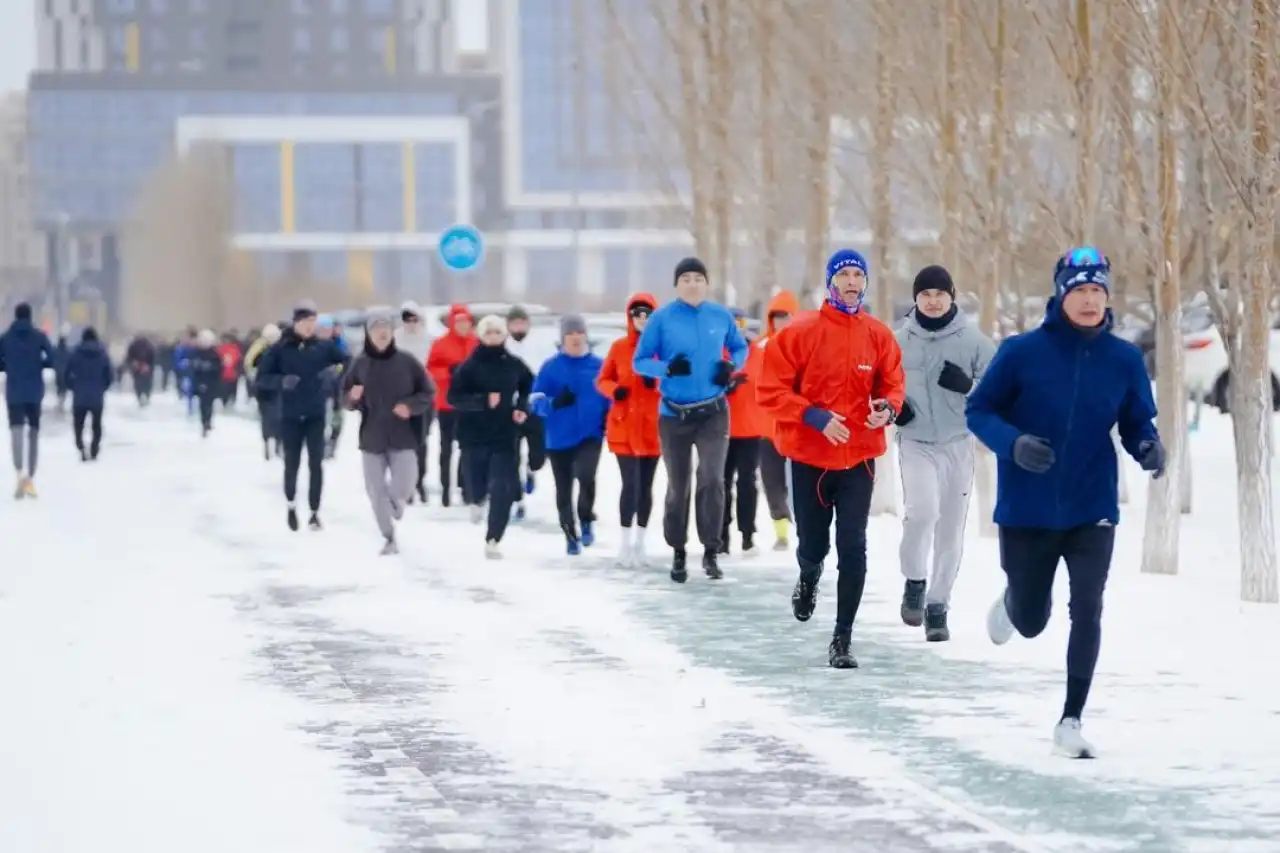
column 518, row 336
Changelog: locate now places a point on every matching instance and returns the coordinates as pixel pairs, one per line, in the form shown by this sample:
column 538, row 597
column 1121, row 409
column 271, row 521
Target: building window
column 84, row 53
column 122, row 7
column 243, row 63
column 302, row 40
column 379, row 8
column 302, row 7
column 57, row 45
column 339, row 39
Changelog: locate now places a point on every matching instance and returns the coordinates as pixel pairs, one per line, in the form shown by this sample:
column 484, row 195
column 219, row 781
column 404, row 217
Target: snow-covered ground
column 186, row 674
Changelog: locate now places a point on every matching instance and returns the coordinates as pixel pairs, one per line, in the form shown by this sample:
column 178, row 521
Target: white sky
column 17, row 20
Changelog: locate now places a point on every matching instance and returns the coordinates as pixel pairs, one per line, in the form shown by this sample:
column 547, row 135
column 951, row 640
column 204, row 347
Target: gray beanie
column 379, row 316
column 304, row 310
column 572, row 324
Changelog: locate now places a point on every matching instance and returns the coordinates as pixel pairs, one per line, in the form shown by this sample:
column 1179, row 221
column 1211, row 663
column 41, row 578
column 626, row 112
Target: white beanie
column 271, row 332
column 206, row 338
column 491, row 323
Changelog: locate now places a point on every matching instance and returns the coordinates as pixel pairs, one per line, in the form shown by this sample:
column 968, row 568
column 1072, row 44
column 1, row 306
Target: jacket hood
column 639, row 299
column 783, row 302
column 1055, row 319
column 92, row 345
column 22, row 325
column 456, row 310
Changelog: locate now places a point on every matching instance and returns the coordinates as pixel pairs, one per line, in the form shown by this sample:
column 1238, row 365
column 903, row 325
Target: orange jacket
column 829, row 360
column 447, row 352
column 633, row 423
column 746, row 418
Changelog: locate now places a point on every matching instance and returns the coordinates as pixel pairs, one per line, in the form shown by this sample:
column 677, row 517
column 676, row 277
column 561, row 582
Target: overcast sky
column 17, row 22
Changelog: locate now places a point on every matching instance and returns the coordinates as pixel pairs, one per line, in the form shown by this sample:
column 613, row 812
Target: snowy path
column 186, row 661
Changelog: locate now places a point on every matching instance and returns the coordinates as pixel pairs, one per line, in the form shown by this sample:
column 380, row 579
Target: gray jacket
column 388, row 378
column 939, row 413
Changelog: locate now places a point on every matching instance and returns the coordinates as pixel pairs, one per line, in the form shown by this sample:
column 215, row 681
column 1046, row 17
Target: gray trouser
column 773, row 477
column 936, row 480
column 389, row 494
column 710, row 437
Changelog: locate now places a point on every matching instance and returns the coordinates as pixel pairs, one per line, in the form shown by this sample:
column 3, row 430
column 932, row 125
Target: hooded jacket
column 1070, row 388
column 89, row 374
column 490, row 370
column 633, row 422
column 388, row 378
column 448, row 352
column 25, row 353
column 939, row 413
column 830, row 361
column 415, row 344
column 783, row 302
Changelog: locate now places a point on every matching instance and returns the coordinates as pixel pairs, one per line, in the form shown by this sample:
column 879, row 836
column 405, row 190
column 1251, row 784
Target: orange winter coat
column 746, row 418
column 447, row 352
column 633, row 423
column 839, row 362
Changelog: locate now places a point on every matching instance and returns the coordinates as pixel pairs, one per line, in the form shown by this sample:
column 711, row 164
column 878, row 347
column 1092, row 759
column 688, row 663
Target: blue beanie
column 1085, row 265
column 841, row 259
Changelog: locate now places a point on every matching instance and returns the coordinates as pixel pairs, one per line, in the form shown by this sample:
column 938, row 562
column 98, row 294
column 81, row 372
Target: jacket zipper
column 1081, row 352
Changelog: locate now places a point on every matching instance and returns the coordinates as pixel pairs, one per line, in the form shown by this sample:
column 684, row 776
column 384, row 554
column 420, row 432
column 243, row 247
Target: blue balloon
column 461, row 248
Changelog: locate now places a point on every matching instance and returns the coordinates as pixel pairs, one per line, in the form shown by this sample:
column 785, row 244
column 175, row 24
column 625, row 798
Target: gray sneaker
column 389, row 548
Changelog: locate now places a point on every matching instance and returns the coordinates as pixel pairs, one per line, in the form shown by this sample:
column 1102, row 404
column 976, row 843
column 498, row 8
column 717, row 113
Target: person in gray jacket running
column 389, row 388
column 943, row 356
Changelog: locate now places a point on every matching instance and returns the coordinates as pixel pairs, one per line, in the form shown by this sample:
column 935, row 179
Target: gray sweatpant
column 936, row 480
column 710, row 437
column 389, row 478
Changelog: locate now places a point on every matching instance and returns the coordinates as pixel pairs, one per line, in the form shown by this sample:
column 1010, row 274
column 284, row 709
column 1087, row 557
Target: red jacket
column 633, row 423
column 447, row 352
column 230, row 353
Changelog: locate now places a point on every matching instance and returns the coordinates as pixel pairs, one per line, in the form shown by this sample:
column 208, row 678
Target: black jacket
column 486, row 371
column 206, row 370
column 296, row 367
column 388, row 377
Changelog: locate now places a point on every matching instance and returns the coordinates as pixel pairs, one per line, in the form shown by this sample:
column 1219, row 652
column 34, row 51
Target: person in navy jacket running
column 1046, row 407
column 684, row 346
column 565, row 398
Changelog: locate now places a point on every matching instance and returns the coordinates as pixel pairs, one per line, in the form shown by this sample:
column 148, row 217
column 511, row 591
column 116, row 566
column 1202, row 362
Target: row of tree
column 1009, row 130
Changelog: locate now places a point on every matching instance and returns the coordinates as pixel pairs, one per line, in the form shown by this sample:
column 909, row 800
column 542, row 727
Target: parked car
column 1206, row 371
column 1196, row 319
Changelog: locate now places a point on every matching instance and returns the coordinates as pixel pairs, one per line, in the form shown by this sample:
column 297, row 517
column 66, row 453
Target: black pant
column 576, row 463
column 819, row 496
column 448, row 435
column 94, row 415
column 269, row 416
column 142, row 382
column 635, row 503
column 421, row 426
column 492, row 473
column 534, row 438
column 710, row 436
column 741, row 463
column 1030, row 557
column 207, row 399
column 294, row 433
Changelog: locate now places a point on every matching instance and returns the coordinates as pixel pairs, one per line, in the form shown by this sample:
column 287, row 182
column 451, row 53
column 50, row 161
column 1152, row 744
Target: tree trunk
column 817, row 236
column 772, row 224
column 692, row 123
column 718, row 59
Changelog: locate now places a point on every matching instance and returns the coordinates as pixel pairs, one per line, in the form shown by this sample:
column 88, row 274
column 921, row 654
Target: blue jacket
column 701, row 334
column 25, row 352
column 89, row 375
column 309, row 362
column 1071, row 389
column 584, row 420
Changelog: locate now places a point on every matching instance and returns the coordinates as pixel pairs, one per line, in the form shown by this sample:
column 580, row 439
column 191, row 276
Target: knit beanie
column 841, row 259
column 517, row 312
column 689, row 265
column 933, row 277
column 572, row 324
column 380, row 316
column 304, row 310
column 1081, row 266
column 491, row 323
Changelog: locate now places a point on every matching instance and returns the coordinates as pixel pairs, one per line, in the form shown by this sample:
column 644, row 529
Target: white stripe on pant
column 936, row 480
column 387, row 493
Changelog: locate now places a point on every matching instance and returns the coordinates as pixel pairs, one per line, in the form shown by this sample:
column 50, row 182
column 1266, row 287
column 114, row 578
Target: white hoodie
column 417, row 343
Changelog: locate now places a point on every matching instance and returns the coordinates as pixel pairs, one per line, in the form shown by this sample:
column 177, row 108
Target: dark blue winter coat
column 89, row 374
column 702, row 334
column 308, row 360
column 25, row 352
column 1070, row 388
column 584, row 420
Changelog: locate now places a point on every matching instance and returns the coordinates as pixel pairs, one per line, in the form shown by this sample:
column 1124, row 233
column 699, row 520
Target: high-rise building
column 22, row 252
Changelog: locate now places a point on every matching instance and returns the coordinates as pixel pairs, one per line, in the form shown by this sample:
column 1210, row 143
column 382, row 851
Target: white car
column 1205, row 360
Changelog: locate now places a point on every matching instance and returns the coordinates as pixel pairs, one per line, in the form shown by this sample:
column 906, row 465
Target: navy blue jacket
column 308, row 360
column 584, row 420
column 1070, row 388
column 89, row 375
column 701, row 334
column 25, row 352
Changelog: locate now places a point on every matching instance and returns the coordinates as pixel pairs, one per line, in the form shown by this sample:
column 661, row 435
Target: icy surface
column 186, row 674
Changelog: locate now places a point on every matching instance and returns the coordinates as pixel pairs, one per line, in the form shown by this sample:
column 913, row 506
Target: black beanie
column 933, row 278
column 690, row 265
column 22, row 311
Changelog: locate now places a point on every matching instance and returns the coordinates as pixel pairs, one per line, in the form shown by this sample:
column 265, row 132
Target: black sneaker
column 422, row 493
column 723, row 550
column 912, row 609
column 679, row 571
column 748, row 544
column 711, row 566
column 935, row 624
column 804, row 598
column 314, row 522
column 838, row 654
column 293, row 519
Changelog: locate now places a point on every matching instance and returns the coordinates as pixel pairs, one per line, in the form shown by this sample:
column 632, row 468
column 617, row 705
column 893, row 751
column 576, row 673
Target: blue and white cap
column 1085, row 265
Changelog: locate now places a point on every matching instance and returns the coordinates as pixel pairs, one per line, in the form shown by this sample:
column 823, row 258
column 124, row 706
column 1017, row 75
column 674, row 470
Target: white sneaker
column 639, row 558
column 625, row 551
column 1069, row 742
column 477, row 513
column 999, row 627
column 491, row 551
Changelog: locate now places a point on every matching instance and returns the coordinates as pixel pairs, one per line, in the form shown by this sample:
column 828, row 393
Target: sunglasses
column 640, row 312
column 1086, row 256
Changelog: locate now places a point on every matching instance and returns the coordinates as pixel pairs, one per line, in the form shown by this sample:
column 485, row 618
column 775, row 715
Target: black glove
column 679, row 366
column 735, row 382
column 621, row 393
column 564, row 399
column 1153, row 457
column 723, row 373
column 453, row 369
column 650, row 382
column 288, row 383
column 953, row 378
column 907, row 415
column 1032, row 453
